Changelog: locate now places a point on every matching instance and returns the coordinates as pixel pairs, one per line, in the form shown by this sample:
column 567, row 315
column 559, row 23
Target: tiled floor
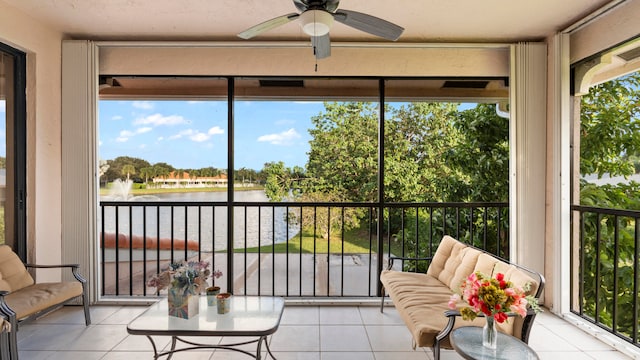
column 306, row 332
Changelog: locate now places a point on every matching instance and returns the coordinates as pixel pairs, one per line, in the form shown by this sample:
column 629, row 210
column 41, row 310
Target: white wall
column 42, row 46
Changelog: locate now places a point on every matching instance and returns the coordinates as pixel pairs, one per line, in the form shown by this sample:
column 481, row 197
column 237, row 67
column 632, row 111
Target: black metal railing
column 285, row 249
column 605, row 273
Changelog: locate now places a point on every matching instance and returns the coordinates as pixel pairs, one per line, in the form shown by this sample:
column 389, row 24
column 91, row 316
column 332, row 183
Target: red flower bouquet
column 493, row 297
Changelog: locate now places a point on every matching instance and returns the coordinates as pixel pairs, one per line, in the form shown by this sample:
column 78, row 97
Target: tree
column 609, row 127
column 343, row 160
column 418, row 136
column 162, row 170
column 147, row 172
column 480, row 158
column 115, row 167
column 281, row 182
column 128, row 170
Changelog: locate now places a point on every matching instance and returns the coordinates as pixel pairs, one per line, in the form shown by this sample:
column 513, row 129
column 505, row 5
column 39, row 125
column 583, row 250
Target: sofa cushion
column 38, row 297
column 451, row 261
column 14, row 274
column 518, row 277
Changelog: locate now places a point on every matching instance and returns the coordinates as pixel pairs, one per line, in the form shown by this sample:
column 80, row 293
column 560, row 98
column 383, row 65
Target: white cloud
column 159, row 119
column 182, row 133
column 283, row 138
column 145, row 105
column 117, row 117
column 216, row 130
column 193, row 102
column 125, row 135
column 3, row 106
column 197, row 136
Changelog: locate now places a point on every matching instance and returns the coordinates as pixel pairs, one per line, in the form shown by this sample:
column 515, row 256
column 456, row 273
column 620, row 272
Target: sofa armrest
column 5, row 310
column 405, row 258
column 52, row 266
column 74, row 269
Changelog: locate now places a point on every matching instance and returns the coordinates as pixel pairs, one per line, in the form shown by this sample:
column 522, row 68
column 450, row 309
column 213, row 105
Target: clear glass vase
column 490, row 334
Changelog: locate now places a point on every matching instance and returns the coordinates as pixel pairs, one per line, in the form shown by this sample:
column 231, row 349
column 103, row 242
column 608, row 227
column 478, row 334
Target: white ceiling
column 221, row 20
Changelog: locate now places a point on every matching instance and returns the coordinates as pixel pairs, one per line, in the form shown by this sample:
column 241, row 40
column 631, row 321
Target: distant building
column 185, row 181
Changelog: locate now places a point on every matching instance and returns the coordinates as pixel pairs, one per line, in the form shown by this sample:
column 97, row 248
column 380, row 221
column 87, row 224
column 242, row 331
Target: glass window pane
column 7, row 99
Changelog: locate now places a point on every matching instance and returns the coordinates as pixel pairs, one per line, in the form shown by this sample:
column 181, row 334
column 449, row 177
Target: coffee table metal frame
column 250, row 316
column 467, row 341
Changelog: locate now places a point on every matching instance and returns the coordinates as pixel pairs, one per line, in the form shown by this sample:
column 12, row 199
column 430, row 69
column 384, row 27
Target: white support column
column 79, row 161
column 528, row 111
column 559, row 180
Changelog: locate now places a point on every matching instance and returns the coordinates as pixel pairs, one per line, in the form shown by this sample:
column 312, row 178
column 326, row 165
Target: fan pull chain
column 315, row 54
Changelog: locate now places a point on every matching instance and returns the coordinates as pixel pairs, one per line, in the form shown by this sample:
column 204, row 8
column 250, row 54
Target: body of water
column 253, row 226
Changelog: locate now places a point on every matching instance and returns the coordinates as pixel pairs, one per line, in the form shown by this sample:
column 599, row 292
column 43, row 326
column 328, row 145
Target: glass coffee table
column 467, row 341
column 250, row 316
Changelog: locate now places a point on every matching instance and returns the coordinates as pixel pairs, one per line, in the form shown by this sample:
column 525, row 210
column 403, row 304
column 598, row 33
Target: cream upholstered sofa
column 22, row 299
column 422, row 299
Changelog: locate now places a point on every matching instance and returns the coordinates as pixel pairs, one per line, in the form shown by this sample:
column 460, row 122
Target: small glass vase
column 490, row 334
column 212, row 292
column 224, row 303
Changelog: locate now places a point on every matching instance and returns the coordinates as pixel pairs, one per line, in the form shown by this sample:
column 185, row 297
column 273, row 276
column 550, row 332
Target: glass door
column 12, row 149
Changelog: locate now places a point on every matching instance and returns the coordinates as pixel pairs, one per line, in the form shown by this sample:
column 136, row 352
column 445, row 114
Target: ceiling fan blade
column 268, row 25
column 369, row 24
column 301, row 5
column 321, row 46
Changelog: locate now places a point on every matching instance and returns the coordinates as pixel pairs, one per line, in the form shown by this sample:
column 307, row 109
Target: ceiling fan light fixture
column 316, row 22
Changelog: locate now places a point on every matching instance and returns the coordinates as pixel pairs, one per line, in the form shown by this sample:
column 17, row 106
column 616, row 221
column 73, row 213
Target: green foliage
column 117, row 165
column 610, row 144
column 128, row 170
column 343, row 157
column 429, row 225
column 433, row 153
column 281, row 182
column 418, row 137
column 481, row 156
column 609, row 128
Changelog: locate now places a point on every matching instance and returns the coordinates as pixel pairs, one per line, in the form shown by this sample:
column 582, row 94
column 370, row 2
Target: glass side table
column 467, row 341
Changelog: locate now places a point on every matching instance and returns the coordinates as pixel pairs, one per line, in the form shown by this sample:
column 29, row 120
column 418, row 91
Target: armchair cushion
column 38, row 297
column 13, row 274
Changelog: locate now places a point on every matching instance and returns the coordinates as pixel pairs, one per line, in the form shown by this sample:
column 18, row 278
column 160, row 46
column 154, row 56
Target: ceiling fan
column 316, row 18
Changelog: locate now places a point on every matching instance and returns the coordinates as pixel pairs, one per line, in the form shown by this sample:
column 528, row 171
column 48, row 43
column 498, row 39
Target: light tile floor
column 306, row 332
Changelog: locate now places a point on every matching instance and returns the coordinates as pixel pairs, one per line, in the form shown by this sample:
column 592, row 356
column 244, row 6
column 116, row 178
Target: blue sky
column 193, row 134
